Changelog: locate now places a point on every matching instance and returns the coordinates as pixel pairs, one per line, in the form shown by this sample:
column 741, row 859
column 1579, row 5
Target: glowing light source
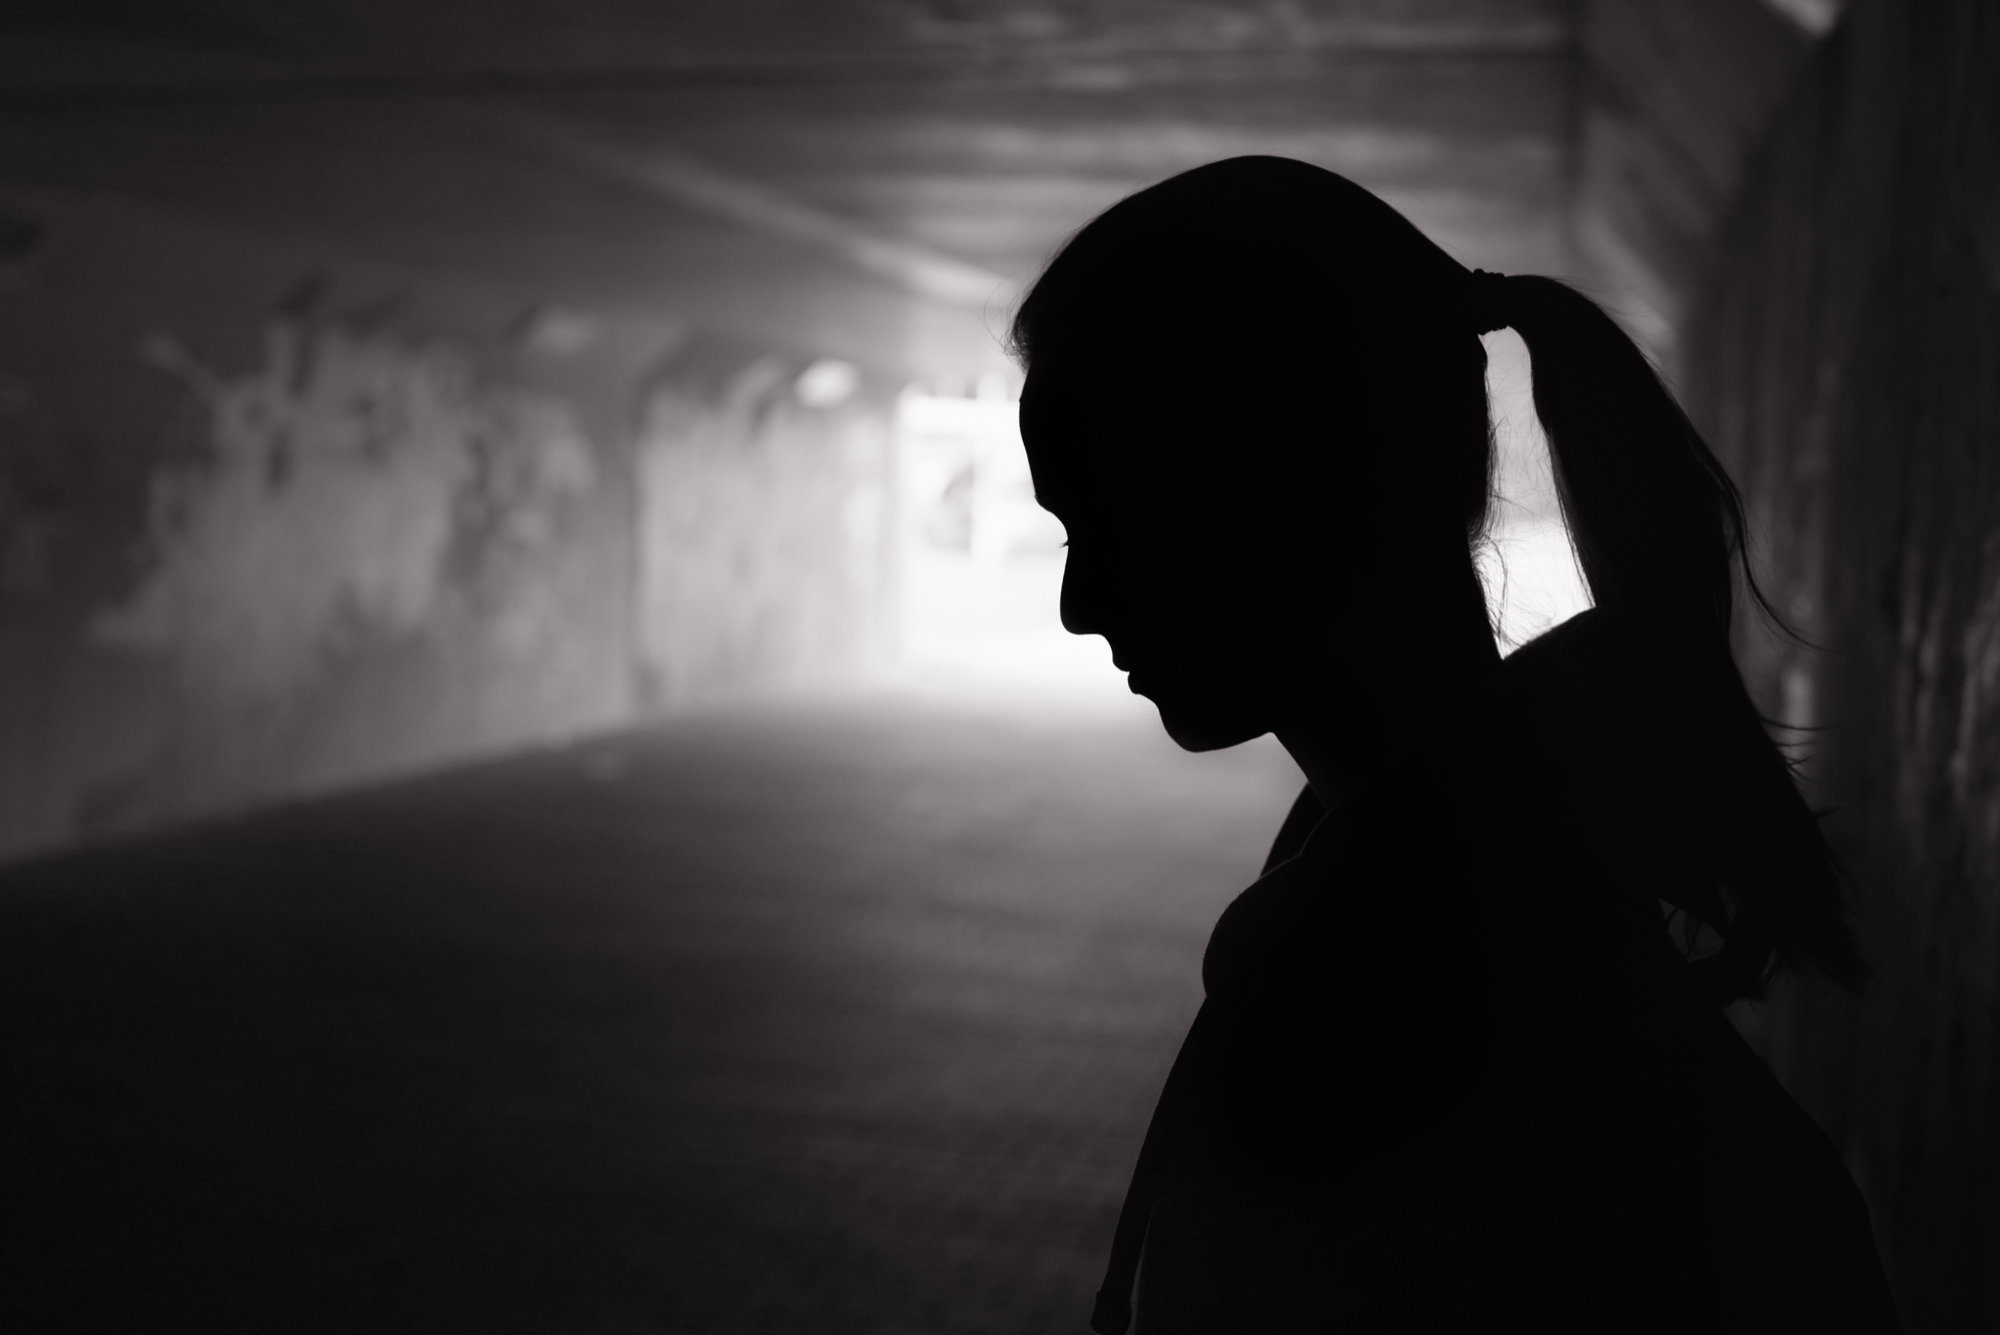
column 827, row 383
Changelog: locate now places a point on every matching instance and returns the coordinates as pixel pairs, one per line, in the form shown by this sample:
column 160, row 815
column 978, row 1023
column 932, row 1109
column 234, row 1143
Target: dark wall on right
column 1846, row 357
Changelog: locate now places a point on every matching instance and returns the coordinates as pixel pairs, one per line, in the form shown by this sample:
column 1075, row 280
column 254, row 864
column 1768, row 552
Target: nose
column 1082, row 595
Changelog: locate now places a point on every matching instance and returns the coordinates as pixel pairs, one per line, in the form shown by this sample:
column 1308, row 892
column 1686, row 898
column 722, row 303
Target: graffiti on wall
column 377, row 559
column 343, row 476
column 413, row 520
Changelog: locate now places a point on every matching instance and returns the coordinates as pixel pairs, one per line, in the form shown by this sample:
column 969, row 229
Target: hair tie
column 1486, row 300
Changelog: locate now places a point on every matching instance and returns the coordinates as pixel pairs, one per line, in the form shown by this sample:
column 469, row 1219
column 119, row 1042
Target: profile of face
column 1257, row 407
column 1201, row 588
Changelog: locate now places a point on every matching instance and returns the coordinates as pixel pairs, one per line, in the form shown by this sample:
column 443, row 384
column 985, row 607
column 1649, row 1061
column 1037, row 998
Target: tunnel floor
column 828, row 1017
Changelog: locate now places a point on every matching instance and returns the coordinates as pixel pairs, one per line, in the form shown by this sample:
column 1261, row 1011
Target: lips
column 1134, row 680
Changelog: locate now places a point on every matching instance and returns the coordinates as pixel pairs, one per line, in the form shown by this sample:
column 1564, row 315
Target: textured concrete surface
column 1848, row 361
column 835, row 1018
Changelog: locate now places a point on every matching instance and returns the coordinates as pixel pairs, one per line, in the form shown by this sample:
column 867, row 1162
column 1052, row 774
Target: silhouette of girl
column 1454, row 1072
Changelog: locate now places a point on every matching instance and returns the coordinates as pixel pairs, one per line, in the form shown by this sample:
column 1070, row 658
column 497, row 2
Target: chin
column 1198, row 729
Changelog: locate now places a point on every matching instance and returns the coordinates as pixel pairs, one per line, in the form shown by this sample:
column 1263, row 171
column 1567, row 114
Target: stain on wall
column 275, row 519
column 1846, row 357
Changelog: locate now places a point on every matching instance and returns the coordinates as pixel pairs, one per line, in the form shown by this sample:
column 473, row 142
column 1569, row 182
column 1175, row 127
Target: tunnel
column 543, row 785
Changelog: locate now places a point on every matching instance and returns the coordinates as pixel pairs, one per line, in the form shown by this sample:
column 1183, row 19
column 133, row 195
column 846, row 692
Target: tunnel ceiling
column 622, row 150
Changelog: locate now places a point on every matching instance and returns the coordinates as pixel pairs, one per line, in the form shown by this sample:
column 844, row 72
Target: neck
column 1405, row 722
column 1329, row 767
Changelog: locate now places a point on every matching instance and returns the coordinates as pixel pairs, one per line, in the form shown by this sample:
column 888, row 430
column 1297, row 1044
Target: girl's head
column 1256, row 400
column 1258, row 405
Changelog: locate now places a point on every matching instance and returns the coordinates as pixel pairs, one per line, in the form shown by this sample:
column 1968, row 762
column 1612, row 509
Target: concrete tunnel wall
column 275, row 520
column 1845, row 354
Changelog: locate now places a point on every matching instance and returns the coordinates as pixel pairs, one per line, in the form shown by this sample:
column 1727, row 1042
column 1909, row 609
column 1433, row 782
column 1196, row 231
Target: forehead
column 1103, row 463
column 1078, row 431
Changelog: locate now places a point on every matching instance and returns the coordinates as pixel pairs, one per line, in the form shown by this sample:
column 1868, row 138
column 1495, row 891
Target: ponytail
column 1658, row 529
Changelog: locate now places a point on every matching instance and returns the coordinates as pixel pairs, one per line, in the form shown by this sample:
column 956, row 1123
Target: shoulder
column 1262, row 925
column 1389, row 890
